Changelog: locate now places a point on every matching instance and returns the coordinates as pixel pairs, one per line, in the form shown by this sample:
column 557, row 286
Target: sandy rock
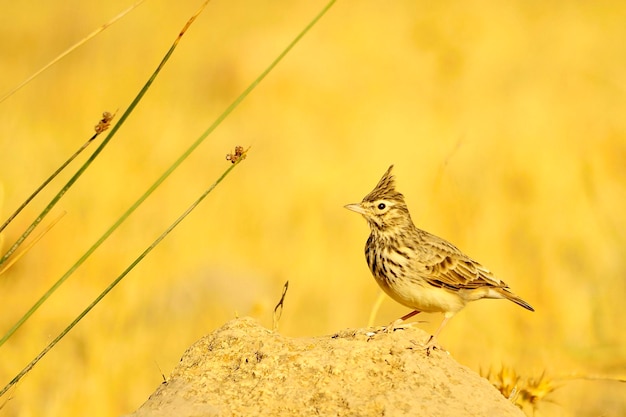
column 243, row 369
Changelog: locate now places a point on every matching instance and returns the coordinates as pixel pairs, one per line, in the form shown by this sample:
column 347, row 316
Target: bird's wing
column 444, row 265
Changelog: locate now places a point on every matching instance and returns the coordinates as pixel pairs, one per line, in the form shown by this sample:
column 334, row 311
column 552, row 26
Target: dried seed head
column 105, row 122
column 239, row 153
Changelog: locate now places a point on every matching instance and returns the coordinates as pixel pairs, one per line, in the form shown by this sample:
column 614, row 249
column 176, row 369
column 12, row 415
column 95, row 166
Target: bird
column 418, row 269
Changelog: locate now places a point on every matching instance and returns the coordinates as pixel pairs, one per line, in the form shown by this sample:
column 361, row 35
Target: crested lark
column 417, row 269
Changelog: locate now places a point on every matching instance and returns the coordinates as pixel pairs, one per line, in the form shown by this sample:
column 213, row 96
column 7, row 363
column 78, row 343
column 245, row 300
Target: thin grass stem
column 118, row 279
column 48, row 180
column 174, row 166
column 79, row 173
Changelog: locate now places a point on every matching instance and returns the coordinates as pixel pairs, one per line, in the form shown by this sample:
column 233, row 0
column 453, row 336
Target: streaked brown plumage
column 418, row 269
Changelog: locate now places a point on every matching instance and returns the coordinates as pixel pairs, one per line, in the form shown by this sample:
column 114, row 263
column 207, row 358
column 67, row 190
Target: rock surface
column 243, row 369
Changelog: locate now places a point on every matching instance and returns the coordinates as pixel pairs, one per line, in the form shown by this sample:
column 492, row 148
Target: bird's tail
column 506, row 293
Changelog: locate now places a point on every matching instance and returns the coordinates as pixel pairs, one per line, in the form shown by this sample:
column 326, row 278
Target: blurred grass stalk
column 70, row 50
column 148, row 192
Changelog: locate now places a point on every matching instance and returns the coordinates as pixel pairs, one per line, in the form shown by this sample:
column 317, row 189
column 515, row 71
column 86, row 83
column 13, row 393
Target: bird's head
column 384, row 207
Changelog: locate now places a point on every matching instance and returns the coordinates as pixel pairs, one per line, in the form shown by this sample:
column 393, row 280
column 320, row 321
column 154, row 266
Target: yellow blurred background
column 506, row 122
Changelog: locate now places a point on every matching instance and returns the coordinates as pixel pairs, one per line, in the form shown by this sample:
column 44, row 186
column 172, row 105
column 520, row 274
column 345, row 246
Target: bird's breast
column 388, row 262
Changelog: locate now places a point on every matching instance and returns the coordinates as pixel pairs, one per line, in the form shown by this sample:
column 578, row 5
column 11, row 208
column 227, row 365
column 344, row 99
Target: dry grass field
column 506, row 122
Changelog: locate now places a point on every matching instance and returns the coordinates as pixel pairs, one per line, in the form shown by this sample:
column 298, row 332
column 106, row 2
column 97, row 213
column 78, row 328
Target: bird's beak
column 356, row 207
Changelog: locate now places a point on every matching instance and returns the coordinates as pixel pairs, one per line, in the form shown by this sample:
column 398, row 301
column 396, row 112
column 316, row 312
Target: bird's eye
column 381, row 206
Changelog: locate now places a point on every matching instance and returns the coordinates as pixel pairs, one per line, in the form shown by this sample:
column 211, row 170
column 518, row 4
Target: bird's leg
column 432, row 342
column 407, row 316
column 396, row 323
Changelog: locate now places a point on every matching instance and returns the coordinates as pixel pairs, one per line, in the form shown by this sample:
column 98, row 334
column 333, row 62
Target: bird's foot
column 431, row 345
column 396, row 324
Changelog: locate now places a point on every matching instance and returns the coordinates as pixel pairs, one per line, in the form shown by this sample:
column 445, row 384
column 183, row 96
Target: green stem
column 116, row 281
column 43, row 185
column 167, row 173
column 73, row 180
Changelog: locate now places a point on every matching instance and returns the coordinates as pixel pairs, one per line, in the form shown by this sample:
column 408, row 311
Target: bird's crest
column 385, row 189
